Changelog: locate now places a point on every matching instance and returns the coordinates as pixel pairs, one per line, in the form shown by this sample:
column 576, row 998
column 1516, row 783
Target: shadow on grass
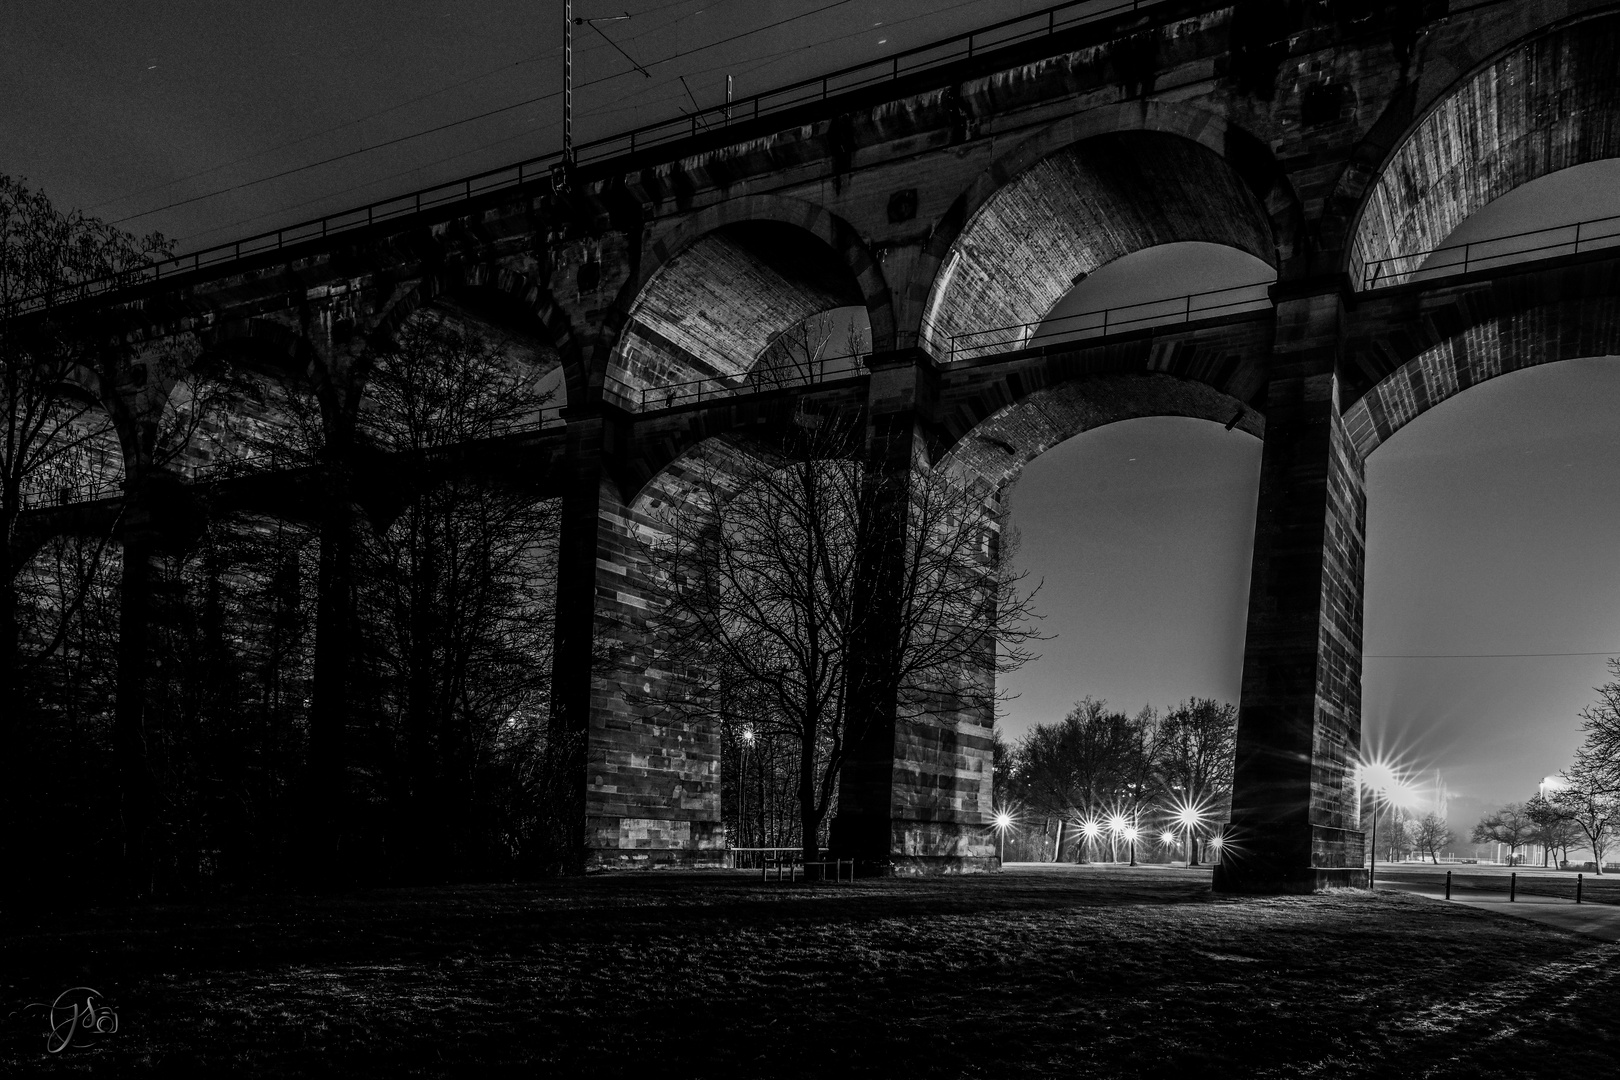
column 1097, row 972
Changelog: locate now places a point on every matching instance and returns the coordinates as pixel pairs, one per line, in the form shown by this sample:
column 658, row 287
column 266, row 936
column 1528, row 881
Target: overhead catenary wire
column 375, row 114
column 469, row 119
column 625, row 104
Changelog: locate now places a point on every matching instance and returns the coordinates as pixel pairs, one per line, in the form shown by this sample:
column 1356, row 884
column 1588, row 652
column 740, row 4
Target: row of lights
column 1190, row 817
column 1379, row 776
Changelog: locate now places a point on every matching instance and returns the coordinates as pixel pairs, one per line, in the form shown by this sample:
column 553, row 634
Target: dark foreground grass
column 1038, row 973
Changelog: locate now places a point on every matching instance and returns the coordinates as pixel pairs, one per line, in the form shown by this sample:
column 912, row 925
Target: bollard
column 1513, row 887
column 1448, row 884
column 1578, row 888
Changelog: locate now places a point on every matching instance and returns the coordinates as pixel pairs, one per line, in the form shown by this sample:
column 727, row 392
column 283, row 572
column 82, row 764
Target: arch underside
column 716, row 307
column 1542, row 334
column 1551, row 103
column 1072, row 212
column 992, row 456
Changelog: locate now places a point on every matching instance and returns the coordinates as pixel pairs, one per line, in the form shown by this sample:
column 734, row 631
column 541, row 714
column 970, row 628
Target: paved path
column 1601, row 921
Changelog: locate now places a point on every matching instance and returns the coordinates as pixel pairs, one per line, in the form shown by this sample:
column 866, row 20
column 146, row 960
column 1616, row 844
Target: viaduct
column 946, row 201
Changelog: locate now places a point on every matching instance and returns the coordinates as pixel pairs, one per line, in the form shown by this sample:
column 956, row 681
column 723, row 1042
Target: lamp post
column 1090, row 829
column 742, row 793
column 1003, row 821
column 1378, row 778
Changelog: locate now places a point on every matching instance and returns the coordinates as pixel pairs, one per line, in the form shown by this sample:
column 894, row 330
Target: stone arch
column 652, row 775
column 991, row 457
column 515, row 299
column 766, row 263
column 260, row 366
column 1493, row 336
column 1216, row 183
column 1547, row 102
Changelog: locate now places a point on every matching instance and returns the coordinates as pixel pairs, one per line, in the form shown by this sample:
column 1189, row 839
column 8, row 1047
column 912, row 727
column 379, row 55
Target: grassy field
column 1071, row 972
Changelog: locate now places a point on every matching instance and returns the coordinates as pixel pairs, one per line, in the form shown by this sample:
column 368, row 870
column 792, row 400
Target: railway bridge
column 937, row 207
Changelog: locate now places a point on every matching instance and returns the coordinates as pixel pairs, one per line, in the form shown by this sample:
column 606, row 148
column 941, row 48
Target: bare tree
column 1510, row 826
column 1592, row 804
column 1081, row 767
column 1196, row 746
column 1431, row 835
column 54, row 434
column 764, row 598
column 1555, row 826
column 458, row 590
column 1599, row 756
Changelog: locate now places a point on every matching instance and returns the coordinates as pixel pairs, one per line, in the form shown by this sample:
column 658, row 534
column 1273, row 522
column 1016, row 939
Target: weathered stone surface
column 1316, row 136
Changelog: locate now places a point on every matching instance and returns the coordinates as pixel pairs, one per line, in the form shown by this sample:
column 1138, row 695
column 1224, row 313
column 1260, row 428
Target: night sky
column 1491, row 522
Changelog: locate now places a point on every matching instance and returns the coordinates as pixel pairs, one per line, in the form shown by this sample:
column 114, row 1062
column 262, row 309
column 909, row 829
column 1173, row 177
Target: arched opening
column 1135, row 514
column 1489, row 570
column 75, row 454
column 1072, row 213
column 1548, row 104
column 1154, row 286
column 455, row 601
column 751, row 302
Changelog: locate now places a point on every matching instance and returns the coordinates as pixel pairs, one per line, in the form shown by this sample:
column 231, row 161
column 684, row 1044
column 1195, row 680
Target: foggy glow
column 1385, row 778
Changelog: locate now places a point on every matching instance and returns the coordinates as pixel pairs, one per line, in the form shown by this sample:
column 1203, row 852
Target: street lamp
column 1090, row 828
column 1003, row 822
column 742, row 799
column 1380, row 778
column 1190, row 817
column 1130, row 835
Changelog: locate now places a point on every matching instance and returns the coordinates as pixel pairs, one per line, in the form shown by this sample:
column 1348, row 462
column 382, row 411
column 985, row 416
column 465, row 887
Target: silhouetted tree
column 1197, row 742
column 1592, row 804
column 457, row 589
column 1510, row 826
column 1431, row 835
column 1599, row 755
column 1555, row 826
column 761, row 580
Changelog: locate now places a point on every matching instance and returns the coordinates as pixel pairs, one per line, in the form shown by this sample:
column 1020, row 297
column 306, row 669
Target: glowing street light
column 1090, row 828
column 1192, row 817
column 1384, row 781
column 1003, row 821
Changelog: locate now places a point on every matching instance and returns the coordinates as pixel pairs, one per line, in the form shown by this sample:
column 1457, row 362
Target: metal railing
column 1043, row 23
column 895, row 66
column 753, row 381
column 787, row 863
column 1102, row 322
column 1442, row 261
column 42, row 496
column 890, row 68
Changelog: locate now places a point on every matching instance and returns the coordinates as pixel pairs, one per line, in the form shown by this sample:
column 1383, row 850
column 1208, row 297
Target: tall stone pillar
column 1294, row 817
column 914, row 791
column 643, row 777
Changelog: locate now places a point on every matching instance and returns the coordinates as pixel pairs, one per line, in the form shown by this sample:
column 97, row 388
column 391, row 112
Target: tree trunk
column 129, row 716
column 808, row 819
column 10, row 631
column 326, row 792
